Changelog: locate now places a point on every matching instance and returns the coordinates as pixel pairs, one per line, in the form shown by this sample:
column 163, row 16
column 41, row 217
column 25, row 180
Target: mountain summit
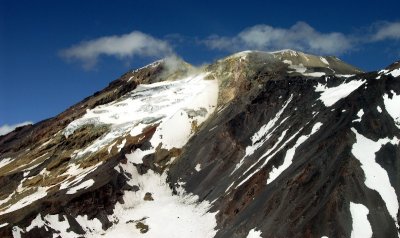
column 257, row 144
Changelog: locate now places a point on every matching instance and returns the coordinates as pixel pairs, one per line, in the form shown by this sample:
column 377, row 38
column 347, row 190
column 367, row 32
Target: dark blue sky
column 36, row 83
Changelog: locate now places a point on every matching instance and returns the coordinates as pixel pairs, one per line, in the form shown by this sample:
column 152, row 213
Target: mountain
column 258, row 144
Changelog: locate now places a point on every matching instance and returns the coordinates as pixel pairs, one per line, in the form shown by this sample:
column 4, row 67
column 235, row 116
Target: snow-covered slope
column 176, row 109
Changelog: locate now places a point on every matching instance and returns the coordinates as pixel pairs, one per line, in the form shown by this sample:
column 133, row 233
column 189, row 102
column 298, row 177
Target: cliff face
column 279, row 144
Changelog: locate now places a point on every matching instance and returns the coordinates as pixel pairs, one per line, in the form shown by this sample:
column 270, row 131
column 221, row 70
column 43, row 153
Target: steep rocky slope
column 258, row 144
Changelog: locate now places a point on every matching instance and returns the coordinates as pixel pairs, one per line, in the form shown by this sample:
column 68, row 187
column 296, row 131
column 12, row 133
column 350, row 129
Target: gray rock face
column 296, row 146
column 311, row 196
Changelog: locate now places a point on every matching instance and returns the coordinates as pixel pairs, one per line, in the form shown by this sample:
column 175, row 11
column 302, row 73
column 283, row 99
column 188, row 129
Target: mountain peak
column 251, row 144
column 298, row 63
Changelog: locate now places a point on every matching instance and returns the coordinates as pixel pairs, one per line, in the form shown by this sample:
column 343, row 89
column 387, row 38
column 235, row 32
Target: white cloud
column 300, row 36
column 386, row 31
column 123, row 46
column 4, row 129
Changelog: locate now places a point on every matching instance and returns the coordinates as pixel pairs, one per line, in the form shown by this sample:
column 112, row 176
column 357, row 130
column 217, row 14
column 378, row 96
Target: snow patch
column 168, row 215
column 314, row 74
column 267, row 156
column 84, row 185
column 395, row 72
column 111, row 146
column 330, row 96
column 290, row 154
column 25, row 201
column 16, row 231
column 263, row 134
column 298, row 68
column 3, row 225
column 376, row 177
column 77, row 173
column 5, row 161
column 361, row 225
column 120, row 146
column 344, row 75
column 360, row 114
column 383, row 71
column 138, row 155
column 392, row 106
column 37, row 222
column 302, row 70
column 61, row 226
column 287, row 62
column 229, row 187
column 324, row 60
column 253, row 233
column 198, row 167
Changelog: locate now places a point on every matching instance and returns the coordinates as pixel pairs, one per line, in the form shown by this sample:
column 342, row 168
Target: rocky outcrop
column 311, row 197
